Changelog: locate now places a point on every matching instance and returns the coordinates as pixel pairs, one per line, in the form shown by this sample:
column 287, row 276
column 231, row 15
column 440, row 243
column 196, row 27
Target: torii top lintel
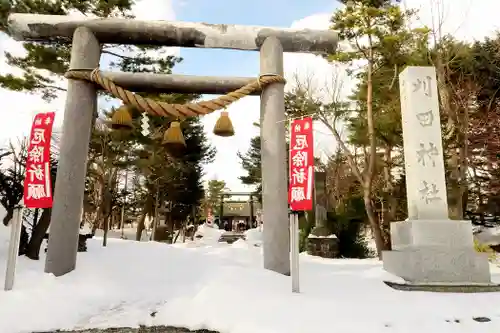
column 34, row 27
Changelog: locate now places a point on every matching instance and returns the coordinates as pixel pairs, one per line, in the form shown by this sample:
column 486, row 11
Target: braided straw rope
column 179, row 111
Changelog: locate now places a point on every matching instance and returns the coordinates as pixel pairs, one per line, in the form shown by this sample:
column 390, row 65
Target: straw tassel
column 224, row 126
column 121, row 119
column 173, row 138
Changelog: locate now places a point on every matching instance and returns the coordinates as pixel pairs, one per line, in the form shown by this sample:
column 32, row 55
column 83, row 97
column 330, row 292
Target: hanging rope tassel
column 121, row 119
column 174, row 139
column 224, row 126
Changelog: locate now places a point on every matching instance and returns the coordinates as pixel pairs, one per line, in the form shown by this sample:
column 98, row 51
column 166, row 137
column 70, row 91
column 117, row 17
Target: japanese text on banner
column 300, row 189
column 37, row 182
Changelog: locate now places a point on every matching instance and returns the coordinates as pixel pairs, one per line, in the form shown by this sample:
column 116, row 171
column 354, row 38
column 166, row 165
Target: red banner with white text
column 300, row 191
column 37, row 183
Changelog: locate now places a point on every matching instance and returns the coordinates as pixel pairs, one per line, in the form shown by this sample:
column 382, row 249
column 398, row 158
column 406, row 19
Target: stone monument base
column 325, row 247
column 323, row 244
column 436, row 251
column 445, row 288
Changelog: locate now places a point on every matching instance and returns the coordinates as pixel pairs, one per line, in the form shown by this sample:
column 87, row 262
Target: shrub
column 348, row 226
column 484, row 248
column 305, row 229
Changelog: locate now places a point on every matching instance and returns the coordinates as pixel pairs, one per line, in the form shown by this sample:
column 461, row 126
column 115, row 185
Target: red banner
column 300, row 192
column 37, row 183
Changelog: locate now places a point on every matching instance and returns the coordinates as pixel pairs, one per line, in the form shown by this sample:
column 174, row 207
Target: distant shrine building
column 239, row 215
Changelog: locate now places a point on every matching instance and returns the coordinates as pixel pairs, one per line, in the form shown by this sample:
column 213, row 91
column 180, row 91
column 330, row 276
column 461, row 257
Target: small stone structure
column 323, row 246
column 322, row 243
column 82, row 241
column 230, row 237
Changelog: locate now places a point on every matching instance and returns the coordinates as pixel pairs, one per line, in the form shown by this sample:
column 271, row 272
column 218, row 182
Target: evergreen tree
column 54, row 57
column 251, row 163
column 374, row 30
column 199, row 152
column 213, row 195
column 176, row 180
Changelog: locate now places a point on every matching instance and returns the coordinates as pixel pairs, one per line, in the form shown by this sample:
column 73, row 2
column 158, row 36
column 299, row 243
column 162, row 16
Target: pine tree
column 373, row 29
column 251, row 163
column 215, row 190
column 54, row 56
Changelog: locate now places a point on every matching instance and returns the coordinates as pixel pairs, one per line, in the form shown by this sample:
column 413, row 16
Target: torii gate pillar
column 276, row 240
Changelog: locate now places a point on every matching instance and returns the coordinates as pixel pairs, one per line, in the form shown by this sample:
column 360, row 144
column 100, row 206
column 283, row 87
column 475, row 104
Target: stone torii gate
column 87, row 35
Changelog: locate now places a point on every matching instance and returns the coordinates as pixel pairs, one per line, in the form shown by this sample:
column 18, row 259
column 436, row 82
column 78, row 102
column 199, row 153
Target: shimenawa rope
column 178, row 111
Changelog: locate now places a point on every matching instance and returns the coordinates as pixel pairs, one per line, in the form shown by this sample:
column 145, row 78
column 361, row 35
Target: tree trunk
column 33, row 248
column 107, row 211
column 94, row 227
column 106, row 227
column 372, row 155
column 100, row 210
column 390, row 202
column 35, row 217
column 9, row 215
column 174, row 239
column 171, row 226
column 140, row 227
column 23, row 241
column 375, row 227
column 463, row 161
column 99, row 218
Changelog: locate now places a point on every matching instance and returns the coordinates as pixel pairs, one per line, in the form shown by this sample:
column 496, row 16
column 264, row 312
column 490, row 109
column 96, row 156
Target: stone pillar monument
column 429, row 247
column 321, row 242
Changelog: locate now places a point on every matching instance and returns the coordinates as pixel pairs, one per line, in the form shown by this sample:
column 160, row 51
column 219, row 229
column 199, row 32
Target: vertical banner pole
column 15, row 236
column 301, row 182
column 37, row 191
column 294, row 257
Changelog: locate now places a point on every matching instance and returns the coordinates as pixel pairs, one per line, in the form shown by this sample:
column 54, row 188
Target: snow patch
column 329, row 236
column 488, row 236
column 208, row 234
column 254, row 236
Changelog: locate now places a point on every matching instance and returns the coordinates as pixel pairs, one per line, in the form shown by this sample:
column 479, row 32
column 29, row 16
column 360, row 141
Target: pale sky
column 464, row 18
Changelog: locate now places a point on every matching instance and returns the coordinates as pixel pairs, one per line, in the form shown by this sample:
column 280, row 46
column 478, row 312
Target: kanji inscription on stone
column 423, row 149
column 426, row 154
column 426, row 119
column 429, row 192
column 424, row 85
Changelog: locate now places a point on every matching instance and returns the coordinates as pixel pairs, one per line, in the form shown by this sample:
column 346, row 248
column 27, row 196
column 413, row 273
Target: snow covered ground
column 488, row 236
column 223, row 287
